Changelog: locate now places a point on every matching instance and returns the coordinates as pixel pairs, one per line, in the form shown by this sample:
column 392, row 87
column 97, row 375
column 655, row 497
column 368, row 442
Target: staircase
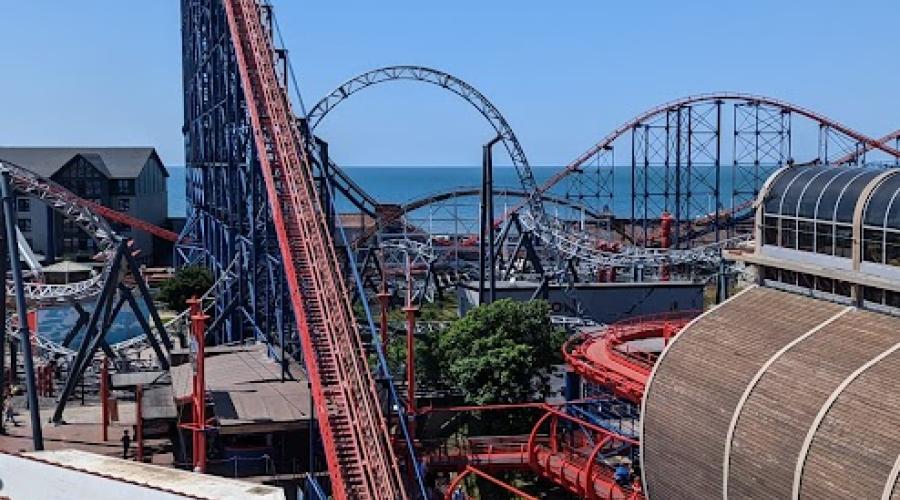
column 361, row 461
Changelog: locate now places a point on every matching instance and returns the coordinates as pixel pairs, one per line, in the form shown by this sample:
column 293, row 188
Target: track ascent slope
column 354, row 432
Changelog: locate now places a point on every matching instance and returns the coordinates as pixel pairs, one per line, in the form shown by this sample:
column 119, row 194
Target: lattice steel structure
column 677, row 162
column 762, row 144
column 228, row 213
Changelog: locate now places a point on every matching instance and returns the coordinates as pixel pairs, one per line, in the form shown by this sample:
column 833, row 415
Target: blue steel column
column 226, row 196
column 37, row 436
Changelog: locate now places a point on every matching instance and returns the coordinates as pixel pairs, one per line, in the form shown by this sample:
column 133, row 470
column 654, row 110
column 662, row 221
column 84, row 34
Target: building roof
column 114, row 162
column 247, row 392
column 801, row 395
column 820, row 193
column 66, row 267
column 164, row 479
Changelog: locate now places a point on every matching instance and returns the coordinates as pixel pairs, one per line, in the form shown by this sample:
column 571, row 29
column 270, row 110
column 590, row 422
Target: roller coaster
column 262, row 187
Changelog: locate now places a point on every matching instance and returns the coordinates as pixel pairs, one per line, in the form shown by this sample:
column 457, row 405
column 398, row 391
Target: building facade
column 125, row 179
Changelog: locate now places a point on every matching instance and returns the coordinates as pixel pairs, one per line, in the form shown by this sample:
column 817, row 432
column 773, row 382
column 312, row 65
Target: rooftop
column 247, row 391
column 114, row 162
column 165, row 479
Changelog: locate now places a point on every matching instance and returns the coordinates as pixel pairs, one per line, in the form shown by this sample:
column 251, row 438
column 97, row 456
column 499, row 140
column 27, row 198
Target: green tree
column 188, row 282
column 502, row 352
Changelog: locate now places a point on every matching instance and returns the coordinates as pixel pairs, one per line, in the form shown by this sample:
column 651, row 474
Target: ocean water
column 404, row 184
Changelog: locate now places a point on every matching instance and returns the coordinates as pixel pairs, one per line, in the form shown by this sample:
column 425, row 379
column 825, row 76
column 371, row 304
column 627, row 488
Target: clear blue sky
column 108, row 72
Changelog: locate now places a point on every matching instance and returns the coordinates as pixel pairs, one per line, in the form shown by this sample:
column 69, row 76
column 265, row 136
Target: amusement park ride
column 262, row 190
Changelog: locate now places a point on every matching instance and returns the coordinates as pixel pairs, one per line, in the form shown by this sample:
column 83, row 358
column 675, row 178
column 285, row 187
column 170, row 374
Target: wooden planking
column 774, row 421
column 698, row 383
column 854, row 450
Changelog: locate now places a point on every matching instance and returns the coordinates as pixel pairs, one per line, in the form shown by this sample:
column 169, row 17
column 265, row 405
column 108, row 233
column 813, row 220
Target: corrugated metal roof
column 114, row 162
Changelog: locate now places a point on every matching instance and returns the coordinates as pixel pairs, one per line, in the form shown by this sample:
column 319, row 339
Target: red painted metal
column 495, row 407
column 448, row 495
column 866, row 148
column 198, row 327
column 354, row 432
column 134, row 222
column 709, row 97
column 199, row 424
column 598, row 356
column 384, row 299
column 571, row 461
column 104, row 398
column 139, row 422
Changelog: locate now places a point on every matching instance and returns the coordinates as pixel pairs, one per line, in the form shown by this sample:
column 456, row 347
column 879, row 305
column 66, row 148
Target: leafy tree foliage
column 502, row 352
column 188, row 282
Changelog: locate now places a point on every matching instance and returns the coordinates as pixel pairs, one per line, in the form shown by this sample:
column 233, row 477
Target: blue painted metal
column 228, row 213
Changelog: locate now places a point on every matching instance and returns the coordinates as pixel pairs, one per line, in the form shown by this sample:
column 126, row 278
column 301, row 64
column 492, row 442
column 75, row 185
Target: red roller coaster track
column 114, row 216
column 867, row 142
column 600, row 356
column 561, row 448
column 867, row 147
column 355, row 437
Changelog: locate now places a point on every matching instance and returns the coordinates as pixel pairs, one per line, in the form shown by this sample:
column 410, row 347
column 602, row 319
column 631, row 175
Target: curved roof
column 799, row 396
column 883, row 206
column 825, row 193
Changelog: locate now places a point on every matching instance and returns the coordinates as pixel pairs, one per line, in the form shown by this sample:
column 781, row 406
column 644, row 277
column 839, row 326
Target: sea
column 403, row 184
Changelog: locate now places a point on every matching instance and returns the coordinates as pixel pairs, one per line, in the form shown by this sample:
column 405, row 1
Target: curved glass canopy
column 811, row 208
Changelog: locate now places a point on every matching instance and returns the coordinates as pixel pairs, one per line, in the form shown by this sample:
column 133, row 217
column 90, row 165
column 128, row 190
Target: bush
column 188, row 282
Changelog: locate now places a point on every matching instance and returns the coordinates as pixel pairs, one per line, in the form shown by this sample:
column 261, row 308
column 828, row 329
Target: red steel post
column 104, row 397
column 384, row 300
column 198, row 327
column 139, row 422
column 411, row 356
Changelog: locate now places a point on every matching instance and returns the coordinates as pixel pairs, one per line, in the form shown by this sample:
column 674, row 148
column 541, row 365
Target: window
column 24, row 224
column 825, row 239
column 806, row 281
column 875, row 295
column 872, row 250
column 789, row 277
column 805, row 236
column 892, row 248
column 92, row 188
column 842, row 288
column 69, row 226
column 789, row 233
column 892, row 299
column 23, row 205
column 843, row 240
column 770, row 231
column 124, row 204
column 824, row 284
column 123, row 186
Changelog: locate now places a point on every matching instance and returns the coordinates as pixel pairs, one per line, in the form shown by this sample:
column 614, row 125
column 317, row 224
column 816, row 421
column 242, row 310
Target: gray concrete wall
column 602, row 302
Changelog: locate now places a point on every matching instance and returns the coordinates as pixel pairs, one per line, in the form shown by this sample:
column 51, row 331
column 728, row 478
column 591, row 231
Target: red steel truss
column 355, row 436
column 561, row 448
column 571, row 461
column 115, row 216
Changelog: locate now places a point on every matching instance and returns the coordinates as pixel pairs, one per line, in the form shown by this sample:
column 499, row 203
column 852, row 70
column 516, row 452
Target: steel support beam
column 37, row 434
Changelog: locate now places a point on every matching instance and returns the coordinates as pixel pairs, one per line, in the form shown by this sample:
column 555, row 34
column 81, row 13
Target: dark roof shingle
column 117, row 162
